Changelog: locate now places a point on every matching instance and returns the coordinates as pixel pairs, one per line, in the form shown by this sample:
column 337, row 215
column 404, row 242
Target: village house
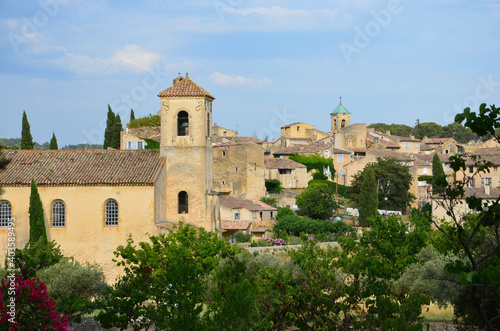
column 291, row 174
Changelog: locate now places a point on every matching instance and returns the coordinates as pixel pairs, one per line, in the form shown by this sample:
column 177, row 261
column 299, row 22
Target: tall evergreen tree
column 132, row 115
column 108, row 133
column 26, row 137
column 117, row 129
column 439, row 182
column 368, row 199
column 37, row 221
column 53, row 142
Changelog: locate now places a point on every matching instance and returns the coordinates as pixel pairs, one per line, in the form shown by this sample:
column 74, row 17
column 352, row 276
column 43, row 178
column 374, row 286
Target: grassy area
column 435, row 314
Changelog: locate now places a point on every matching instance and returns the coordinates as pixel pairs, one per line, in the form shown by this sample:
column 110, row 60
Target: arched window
column 342, row 124
column 335, row 124
column 5, row 214
column 111, row 213
column 58, row 214
column 183, row 123
column 183, row 202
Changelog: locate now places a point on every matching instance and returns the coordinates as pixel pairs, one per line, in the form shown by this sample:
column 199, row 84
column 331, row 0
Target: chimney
column 487, row 189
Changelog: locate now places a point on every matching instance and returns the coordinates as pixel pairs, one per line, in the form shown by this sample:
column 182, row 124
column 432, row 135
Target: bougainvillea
column 25, row 304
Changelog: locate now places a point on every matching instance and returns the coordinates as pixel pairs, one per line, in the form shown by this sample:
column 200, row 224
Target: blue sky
column 268, row 63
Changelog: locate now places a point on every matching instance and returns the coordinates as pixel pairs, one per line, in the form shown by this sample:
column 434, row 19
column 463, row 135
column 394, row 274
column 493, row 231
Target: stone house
column 291, row 174
column 239, row 168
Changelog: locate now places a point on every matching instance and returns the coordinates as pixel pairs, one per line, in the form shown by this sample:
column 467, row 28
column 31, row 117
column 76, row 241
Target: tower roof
column 185, row 88
column 340, row 109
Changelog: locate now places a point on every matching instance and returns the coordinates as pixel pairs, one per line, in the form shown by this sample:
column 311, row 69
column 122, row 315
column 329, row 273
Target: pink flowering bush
column 275, row 242
column 25, row 304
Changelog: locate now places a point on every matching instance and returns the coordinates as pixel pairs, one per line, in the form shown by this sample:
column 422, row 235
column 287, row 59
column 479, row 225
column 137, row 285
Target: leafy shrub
column 36, row 256
column 259, row 243
column 273, row 186
column 150, row 120
column 294, row 225
column 34, row 308
column 269, row 201
column 282, row 212
column 275, row 242
column 73, row 286
column 242, row 237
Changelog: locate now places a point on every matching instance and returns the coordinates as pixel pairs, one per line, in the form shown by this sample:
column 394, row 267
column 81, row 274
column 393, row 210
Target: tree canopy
column 26, row 137
column 315, row 162
column 316, row 202
column 393, row 181
column 150, row 120
column 53, row 142
column 368, row 199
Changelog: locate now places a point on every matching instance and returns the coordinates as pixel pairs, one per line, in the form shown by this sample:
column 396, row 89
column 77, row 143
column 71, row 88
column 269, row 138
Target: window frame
column 58, row 223
column 182, row 131
column 5, row 220
column 111, row 219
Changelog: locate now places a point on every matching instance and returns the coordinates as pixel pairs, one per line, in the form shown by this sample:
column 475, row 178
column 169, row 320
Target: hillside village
column 203, row 174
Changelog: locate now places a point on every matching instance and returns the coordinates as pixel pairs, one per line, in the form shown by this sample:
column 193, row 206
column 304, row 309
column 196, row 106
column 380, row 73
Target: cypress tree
column 53, row 142
column 108, row 133
column 439, row 182
column 368, row 198
column 117, row 129
column 37, row 221
column 26, row 138
column 132, row 115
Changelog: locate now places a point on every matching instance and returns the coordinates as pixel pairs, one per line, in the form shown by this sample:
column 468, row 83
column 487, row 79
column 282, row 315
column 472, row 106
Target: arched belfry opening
column 342, row 124
column 183, row 123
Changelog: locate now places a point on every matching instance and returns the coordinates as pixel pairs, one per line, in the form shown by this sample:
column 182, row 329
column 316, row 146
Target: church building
column 94, row 199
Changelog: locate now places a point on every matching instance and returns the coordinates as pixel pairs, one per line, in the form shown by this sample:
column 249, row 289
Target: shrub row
column 295, row 225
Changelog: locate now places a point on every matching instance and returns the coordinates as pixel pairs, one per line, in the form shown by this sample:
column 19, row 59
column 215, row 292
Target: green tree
column 53, row 142
column 117, row 129
column 317, row 202
column 163, row 282
column 132, row 115
column 427, row 129
column 269, row 201
column 26, row 138
column 37, row 220
column 73, row 286
column 475, row 237
column 393, row 180
column 273, row 186
column 150, row 120
column 108, row 132
column 368, row 200
column 439, row 182
column 36, row 256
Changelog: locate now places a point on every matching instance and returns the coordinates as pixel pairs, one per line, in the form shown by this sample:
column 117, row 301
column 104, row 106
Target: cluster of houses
column 203, row 174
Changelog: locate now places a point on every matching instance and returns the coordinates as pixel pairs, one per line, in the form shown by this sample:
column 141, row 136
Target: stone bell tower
column 341, row 118
column 186, row 123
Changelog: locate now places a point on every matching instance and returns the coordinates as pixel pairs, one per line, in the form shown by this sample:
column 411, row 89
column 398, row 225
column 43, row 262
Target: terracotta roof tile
column 235, row 225
column 237, row 203
column 81, row 167
column 185, row 88
column 282, row 163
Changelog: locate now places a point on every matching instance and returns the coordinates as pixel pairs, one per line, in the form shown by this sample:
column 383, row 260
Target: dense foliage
column 73, row 286
column 151, row 144
column 53, row 142
column 26, row 137
column 431, row 130
column 113, row 129
column 295, row 225
column 315, row 162
column 150, row 120
column 132, row 115
column 393, row 180
column 273, row 186
column 37, row 220
column 269, row 201
column 439, row 182
column 368, row 199
column 33, row 306
column 36, row 256
column 316, row 202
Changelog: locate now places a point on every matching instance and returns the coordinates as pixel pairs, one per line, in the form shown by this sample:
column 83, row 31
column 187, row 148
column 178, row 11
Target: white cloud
column 131, row 58
column 226, row 80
